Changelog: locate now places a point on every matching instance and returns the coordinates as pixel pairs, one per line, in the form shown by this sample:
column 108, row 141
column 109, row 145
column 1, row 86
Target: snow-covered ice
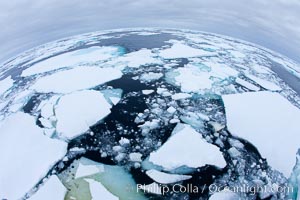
column 75, row 117
column 270, row 122
column 6, row 84
column 146, row 92
column 150, row 76
column 246, row 84
column 165, row 178
column 137, row 58
column 75, row 79
column 265, row 83
column 87, row 170
column 98, row 191
column 71, row 59
column 179, row 50
column 179, row 96
column 175, row 152
column 26, row 155
column 50, row 190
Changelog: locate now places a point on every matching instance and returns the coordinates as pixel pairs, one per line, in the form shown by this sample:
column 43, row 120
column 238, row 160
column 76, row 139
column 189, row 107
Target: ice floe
column 137, row 59
column 175, row 152
column 265, row 83
column 151, row 76
column 77, row 111
column 26, row 155
column 270, row 122
column 75, row 79
column 87, row 170
column 165, row 178
column 98, row 191
column 179, row 50
column 50, row 190
column 6, row 84
column 73, row 58
column 246, row 84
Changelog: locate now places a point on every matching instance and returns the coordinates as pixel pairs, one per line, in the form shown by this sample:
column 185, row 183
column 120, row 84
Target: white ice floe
column 153, row 188
column 186, row 147
column 6, row 84
column 77, row 111
column 179, row 96
column 98, row 191
column 26, row 155
column 224, row 195
column 150, row 76
column 52, row 189
column 75, row 79
column 71, row 59
column 87, row 170
column 137, row 58
column 135, row 157
column 246, row 84
column 179, row 50
column 146, row 92
column 191, row 79
column 164, row 178
column 264, row 83
column 270, row 122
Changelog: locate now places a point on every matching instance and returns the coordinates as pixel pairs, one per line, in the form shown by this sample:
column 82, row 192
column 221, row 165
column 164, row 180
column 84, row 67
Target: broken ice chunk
column 150, row 76
column 98, row 191
column 88, row 169
column 164, row 178
column 224, row 195
column 179, row 50
column 186, row 147
column 75, row 117
column 146, row 92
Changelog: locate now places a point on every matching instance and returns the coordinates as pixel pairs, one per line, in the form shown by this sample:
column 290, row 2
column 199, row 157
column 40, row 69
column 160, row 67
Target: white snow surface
column 52, row 189
column 98, row 191
column 270, row 122
column 165, row 178
column 71, row 59
column 186, row 147
column 6, row 84
column 26, row 155
column 77, row 111
column 78, row 78
column 179, row 50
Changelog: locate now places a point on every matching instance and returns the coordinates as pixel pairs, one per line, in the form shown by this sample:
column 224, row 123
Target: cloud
column 274, row 24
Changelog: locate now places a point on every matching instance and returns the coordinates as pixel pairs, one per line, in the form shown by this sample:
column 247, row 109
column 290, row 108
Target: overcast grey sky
column 274, row 24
